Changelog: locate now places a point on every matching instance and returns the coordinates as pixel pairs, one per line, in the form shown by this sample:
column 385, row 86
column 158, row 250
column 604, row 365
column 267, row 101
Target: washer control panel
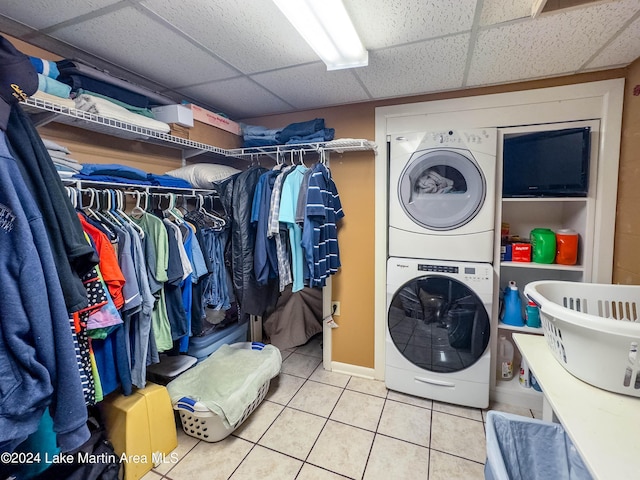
column 469, row 273
column 423, row 267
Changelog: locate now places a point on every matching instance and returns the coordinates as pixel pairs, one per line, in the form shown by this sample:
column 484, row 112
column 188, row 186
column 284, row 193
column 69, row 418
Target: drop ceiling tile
column 622, row 51
column 253, row 38
column 311, row 86
column 429, row 66
column 498, row 11
column 552, row 44
column 381, row 23
column 238, row 98
column 56, row 10
column 135, row 42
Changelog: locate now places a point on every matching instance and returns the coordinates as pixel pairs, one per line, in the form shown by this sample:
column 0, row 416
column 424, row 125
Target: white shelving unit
column 525, row 214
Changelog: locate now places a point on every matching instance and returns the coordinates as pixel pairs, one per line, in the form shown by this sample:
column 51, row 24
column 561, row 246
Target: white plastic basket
column 201, row 422
column 593, row 331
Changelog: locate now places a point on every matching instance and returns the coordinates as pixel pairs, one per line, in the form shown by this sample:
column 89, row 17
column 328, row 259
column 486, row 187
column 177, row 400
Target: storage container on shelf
column 593, row 331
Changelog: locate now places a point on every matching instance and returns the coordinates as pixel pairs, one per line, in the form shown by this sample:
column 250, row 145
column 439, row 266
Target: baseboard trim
column 354, row 370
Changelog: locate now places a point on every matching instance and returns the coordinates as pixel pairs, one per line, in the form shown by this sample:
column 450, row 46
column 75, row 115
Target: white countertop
column 604, row 426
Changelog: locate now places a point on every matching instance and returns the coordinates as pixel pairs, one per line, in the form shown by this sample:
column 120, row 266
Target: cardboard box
column 210, row 135
column 179, row 114
column 179, row 131
column 215, row 120
column 521, row 252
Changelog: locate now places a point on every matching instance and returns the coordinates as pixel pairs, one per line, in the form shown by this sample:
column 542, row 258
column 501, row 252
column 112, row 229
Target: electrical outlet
column 335, row 308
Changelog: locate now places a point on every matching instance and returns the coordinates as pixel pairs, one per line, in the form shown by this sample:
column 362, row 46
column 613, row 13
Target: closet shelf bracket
column 41, row 119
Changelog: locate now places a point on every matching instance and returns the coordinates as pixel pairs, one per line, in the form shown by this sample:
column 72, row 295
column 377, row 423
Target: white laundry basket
column 593, row 330
column 199, row 417
column 200, row 422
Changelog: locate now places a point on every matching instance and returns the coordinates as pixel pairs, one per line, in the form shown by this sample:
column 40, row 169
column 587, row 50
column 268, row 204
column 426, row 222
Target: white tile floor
column 320, row 425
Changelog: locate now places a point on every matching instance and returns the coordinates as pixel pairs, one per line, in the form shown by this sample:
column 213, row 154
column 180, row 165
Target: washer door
column 438, row 324
column 442, row 189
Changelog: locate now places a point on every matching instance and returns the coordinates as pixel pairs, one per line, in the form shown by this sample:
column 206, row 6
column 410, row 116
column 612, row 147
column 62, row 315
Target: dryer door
column 442, row 189
column 438, row 323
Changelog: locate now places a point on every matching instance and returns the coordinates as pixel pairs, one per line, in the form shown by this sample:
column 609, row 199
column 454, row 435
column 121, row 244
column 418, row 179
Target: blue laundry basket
column 520, row 448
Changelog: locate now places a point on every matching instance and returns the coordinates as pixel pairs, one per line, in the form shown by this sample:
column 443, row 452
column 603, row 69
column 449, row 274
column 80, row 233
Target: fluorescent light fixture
column 327, row 28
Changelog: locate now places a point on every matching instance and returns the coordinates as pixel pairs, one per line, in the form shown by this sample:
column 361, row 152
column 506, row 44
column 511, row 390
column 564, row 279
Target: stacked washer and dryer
column 439, row 272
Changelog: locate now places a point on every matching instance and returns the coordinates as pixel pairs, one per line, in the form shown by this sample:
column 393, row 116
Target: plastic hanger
column 137, row 212
column 120, row 211
column 171, row 211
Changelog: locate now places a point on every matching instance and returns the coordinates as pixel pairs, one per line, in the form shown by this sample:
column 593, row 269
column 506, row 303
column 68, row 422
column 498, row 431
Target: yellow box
column 162, row 421
column 142, row 427
column 127, row 425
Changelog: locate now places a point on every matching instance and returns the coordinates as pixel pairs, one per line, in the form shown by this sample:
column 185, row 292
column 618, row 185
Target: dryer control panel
column 456, row 137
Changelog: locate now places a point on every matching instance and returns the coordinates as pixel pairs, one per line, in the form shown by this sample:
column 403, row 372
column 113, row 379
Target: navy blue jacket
column 38, row 365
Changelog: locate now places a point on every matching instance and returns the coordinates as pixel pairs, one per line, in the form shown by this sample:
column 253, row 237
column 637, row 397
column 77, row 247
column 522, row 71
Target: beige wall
column 626, row 261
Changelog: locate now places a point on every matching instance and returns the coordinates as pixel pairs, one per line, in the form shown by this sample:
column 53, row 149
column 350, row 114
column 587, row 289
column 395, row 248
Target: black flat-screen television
column 553, row 163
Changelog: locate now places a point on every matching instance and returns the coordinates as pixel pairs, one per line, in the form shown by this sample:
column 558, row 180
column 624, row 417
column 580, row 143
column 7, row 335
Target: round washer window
column 442, row 189
column 438, row 324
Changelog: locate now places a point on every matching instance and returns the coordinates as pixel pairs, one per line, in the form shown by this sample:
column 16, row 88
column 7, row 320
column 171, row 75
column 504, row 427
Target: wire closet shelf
column 44, row 111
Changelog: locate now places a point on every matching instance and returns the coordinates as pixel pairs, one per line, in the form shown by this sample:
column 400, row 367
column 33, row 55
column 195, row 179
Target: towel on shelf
column 53, row 86
column 57, row 153
column 47, row 97
column 228, row 381
column 45, row 67
column 82, row 75
column 132, row 108
column 67, row 163
column 107, row 109
column 51, row 145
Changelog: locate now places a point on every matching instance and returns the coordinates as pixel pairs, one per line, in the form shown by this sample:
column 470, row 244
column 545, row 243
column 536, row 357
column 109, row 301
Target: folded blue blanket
column 168, row 181
column 53, row 87
column 78, row 81
column 258, row 131
column 45, row 67
column 112, row 179
column 324, row 135
column 114, row 169
column 258, row 142
column 300, row 129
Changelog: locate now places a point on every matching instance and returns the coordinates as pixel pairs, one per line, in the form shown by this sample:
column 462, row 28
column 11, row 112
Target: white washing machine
column 442, row 195
column 438, row 330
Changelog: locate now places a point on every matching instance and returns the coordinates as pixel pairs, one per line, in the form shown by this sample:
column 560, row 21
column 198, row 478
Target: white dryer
column 442, row 195
column 438, row 330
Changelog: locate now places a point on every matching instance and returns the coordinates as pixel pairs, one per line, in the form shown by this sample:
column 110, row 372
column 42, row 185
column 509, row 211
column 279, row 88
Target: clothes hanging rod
column 79, row 183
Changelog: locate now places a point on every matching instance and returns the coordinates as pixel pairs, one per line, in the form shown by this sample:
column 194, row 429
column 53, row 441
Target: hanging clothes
column 320, row 234
column 252, row 298
column 273, row 230
column 38, row 355
column 157, row 243
column 71, row 254
column 287, row 216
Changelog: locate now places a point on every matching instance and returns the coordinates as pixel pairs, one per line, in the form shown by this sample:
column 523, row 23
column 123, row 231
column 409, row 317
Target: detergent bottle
column 505, row 359
column 512, row 314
